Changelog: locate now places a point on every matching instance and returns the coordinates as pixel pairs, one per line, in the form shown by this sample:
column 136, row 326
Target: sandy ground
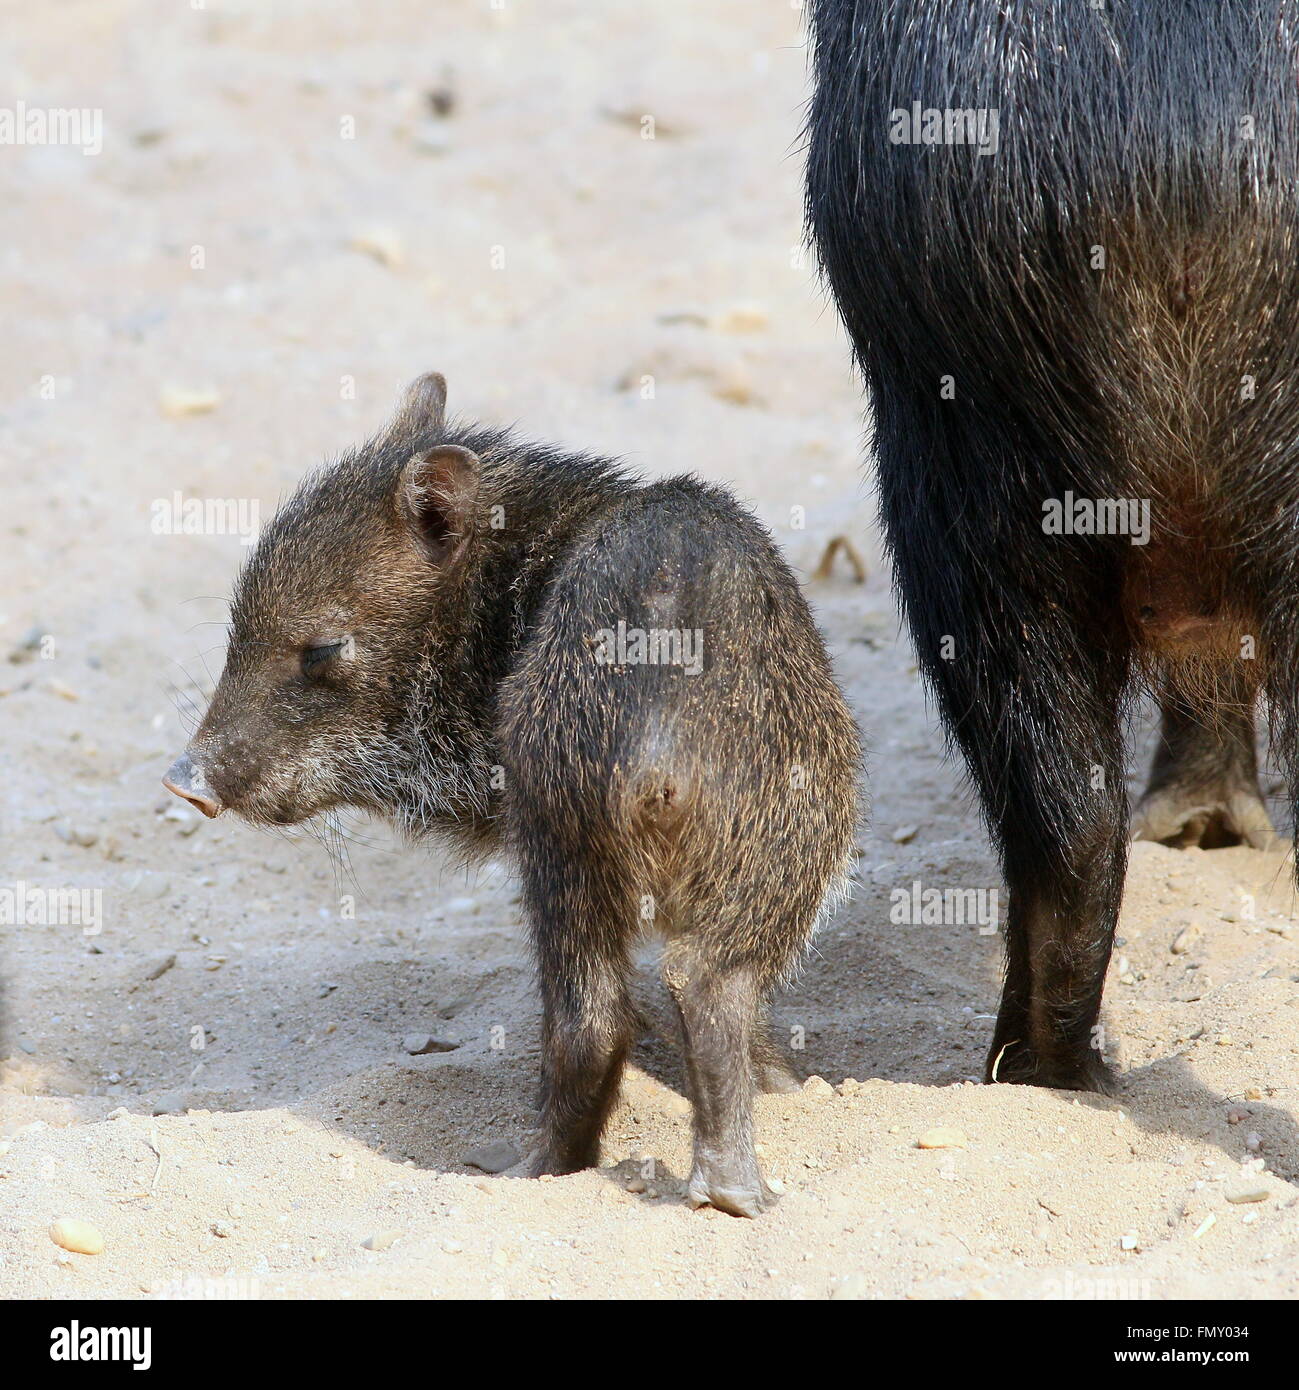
column 216, row 1080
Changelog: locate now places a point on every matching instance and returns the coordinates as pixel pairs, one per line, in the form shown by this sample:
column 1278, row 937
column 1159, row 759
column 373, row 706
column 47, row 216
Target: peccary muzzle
column 187, row 782
column 618, row 684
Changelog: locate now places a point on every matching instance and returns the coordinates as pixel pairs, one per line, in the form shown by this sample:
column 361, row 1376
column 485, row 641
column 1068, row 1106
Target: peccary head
column 346, row 679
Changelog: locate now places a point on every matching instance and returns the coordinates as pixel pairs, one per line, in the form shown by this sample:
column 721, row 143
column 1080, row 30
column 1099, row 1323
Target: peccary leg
column 587, row 1037
column 1203, row 786
column 1059, row 935
column 1036, row 712
column 1052, row 768
column 719, row 1012
column 588, row 1023
column 772, row 1072
column 1284, row 700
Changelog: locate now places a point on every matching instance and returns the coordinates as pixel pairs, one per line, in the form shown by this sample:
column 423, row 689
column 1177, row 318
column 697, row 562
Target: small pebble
column 904, row 834
column 382, row 1240
column 75, row 834
column 381, row 243
column 185, row 821
column 495, row 1157
column 942, row 1137
column 818, row 1088
column 734, row 386
column 432, row 137
column 742, row 318
column 78, row 1236
column 421, row 1044
column 160, row 966
column 441, row 100
column 171, row 1103
column 28, row 645
column 1184, row 940
column 1241, row 1195
column 178, row 401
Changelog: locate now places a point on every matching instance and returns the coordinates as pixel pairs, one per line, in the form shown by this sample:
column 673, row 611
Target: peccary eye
column 314, row 658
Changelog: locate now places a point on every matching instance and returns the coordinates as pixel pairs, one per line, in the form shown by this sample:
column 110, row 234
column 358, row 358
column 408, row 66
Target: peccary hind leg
column 1204, row 779
column 589, row 1021
column 1043, row 742
column 719, row 1011
column 1052, row 774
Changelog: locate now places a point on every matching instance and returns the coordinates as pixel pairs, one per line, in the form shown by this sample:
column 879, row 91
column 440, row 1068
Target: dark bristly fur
column 1121, row 127
column 469, row 575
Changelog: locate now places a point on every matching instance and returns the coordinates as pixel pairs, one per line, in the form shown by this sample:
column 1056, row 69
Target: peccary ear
column 437, row 495
column 425, row 402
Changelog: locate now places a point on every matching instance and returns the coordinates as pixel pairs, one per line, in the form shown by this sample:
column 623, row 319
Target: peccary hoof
column 1020, row 1065
column 712, row 1187
column 1182, row 818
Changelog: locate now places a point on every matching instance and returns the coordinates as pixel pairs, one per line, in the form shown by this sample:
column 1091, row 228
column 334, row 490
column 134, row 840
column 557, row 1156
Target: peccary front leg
column 719, row 1012
column 588, row 1022
column 1204, row 779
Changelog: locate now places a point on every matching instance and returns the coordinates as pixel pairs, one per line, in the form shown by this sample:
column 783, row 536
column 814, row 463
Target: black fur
column 1163, row 368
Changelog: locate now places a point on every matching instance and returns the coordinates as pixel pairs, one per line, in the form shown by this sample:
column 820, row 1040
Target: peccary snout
column 186, row 779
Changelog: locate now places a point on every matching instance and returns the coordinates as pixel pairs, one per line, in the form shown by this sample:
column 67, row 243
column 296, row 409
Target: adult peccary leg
column 1203, row 787
column 1052, row 780
column 1035, row 709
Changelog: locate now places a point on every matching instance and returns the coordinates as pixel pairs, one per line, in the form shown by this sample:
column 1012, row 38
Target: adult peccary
column 620, row 683
column 1063, row 237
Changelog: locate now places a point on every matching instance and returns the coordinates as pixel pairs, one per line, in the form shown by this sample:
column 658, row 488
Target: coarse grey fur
column 422, row 632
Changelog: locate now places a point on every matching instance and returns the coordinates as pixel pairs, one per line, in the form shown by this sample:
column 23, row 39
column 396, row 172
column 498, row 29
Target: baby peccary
column 618, row 683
